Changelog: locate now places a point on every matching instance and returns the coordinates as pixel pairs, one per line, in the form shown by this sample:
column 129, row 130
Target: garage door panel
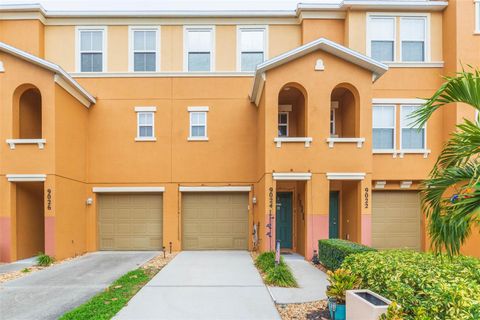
column 215, row 221
column 130, row 221
column 396, row 220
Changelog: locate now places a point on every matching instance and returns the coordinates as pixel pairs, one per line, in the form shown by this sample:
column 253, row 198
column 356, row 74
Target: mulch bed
column 316, row 310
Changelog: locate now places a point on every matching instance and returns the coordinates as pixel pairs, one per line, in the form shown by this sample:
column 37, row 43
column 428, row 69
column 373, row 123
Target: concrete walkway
column 312, row 282
column 220, row 285
column 49, row 293
column 18, row 265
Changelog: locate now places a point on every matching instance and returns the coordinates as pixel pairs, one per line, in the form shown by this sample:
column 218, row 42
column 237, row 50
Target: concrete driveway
column 49, row 293
column 221, row 285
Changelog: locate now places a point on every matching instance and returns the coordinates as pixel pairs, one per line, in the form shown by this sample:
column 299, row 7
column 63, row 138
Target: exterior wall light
column 89, row 201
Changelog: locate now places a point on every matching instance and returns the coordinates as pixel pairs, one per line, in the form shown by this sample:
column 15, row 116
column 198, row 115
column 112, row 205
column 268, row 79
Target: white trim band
column 216, row 189
column 398, row 101
column 127, row 189
column 39, row 142
column 292, row 175
column 26, row 177
column 346, row 175
column 280, row 140
column 359, row 141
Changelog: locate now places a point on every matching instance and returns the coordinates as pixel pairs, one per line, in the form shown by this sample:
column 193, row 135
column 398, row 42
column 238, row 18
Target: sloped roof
column 87, row 100
column 377, row 68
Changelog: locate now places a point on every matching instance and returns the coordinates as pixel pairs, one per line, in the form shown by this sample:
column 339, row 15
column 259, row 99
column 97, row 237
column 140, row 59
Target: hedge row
column 332, row 252
column 426, row 286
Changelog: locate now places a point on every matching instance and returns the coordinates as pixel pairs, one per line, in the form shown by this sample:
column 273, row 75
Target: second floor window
column 145, row 49
column 383, row 127
column 251, row 48
column 198, row 123
column 199, row 49
column 412, row 34
column 145, row 125
column 382, row 38
column 91, row 50
column 283, row 124
column 412, row 138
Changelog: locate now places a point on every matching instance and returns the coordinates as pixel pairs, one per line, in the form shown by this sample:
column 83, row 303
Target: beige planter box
column 365, row 305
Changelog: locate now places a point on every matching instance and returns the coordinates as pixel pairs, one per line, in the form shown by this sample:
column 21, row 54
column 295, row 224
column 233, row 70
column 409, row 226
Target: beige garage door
column 130, row 221
column 215, row 221
column 396, row 220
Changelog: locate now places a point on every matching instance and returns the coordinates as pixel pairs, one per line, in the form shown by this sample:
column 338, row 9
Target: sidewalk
column 312, row 283
column 18, row 265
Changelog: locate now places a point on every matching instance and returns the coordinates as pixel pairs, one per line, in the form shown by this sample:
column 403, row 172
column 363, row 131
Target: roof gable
column 361, row 60
column 61, row 77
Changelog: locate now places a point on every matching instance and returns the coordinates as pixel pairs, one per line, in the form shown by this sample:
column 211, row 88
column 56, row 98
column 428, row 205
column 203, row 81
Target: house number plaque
column 365, row 200
column 49, row 199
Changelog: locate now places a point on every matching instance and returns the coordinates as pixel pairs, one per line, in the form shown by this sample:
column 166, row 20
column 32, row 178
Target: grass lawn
column 108, row 303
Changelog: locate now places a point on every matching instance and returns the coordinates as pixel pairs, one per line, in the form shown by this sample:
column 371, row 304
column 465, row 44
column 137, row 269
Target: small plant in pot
column 340, row 281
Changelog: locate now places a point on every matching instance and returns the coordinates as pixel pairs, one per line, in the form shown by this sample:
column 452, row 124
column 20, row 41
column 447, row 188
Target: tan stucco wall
column 226, row 48
column 27, row 35
column 117, row 48
column 172, row 48
column 60, row 46
column 282, row 38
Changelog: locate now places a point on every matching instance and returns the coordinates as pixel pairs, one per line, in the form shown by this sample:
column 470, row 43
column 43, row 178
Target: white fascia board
column 127, row 189
column 292, row 176
column 346, row 175
column 398, row 101
column 26, row 177
column 49, row 66
column 216, row 189
column 377, row 68
column 425, row 5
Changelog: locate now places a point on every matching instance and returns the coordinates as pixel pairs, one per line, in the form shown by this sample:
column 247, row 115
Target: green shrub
column 340, row 281
column 44, row 260
column 426, row 286
column 280, row 276
column 332, row 252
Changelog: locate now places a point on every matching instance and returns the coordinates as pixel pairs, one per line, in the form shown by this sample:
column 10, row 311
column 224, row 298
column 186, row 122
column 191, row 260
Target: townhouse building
column 199, row 125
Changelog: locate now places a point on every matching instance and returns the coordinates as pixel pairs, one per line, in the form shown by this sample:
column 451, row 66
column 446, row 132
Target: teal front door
column 284, row 219
column 333, row 215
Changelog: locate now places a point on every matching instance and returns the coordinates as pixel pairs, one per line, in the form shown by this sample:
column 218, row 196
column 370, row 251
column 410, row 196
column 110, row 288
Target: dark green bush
column 426, row 286
column 332, row 252
column 44, row 260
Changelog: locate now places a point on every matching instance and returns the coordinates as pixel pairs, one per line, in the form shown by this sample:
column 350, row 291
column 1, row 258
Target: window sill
column 39, row 142
column 402, row 153
column 151, row 139
column 359, row 141
column 427, row 64
column 197, row 139
column 306, row 140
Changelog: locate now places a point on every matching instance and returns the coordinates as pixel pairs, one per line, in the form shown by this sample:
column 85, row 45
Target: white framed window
column 477, row 16
column 144, row 47
column 411, row 138
column 199, row 43
column 91, row 49
column 413, row 31
column 145, row 123
column 251, row 47
column 382, row 34
column 283, row 124
column 198, row 123
column 383, row 123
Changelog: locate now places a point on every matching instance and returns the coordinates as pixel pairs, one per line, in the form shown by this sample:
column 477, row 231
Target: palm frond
column 464, row 88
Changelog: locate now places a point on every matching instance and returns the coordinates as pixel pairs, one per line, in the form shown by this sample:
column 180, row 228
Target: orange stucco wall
column 95, row 147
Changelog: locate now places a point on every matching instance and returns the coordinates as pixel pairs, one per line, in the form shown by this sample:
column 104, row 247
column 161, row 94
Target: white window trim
column 332, row 140
column 26, row 177
column 401, row 150
column 78, row 30
column 306, row 140
column 240, row 28
column 394, row 106
column 186, row 29
column 477, row 17
column 197, row 109
column 131, row 52
column 398, row 15
column 426, row 47
column 39, row 142
column 333, row 117
column 283, row 124
column 369, row 39
column 140, row 110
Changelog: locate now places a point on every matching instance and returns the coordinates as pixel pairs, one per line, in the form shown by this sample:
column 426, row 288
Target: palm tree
column 451, row 194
